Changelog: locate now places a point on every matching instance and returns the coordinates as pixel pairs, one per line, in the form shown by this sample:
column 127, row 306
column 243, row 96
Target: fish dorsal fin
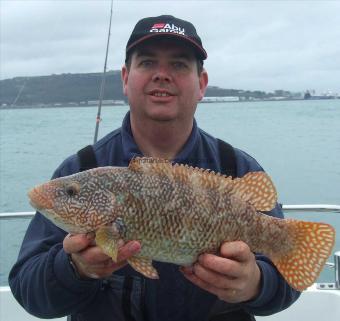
column 196, row 177
column 199, row 177
column 151, row 165
column 256, row 188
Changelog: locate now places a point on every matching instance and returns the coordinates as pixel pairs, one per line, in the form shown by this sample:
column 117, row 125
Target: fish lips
column 38, row 200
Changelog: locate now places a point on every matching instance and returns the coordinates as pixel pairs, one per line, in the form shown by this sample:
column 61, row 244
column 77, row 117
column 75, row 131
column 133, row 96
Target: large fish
column 178, row 212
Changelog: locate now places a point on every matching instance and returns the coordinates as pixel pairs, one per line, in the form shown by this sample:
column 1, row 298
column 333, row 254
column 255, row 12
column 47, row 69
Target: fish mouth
column 39, row 200
column 35, row 205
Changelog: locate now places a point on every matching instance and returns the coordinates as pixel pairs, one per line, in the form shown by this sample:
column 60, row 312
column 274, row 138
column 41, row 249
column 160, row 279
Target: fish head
column 81, row 202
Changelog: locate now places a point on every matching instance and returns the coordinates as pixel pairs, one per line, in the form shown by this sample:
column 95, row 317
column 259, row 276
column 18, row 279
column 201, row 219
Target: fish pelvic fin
column 256, row 188
column 312, row 245
column 144, row 266
column 107, row 239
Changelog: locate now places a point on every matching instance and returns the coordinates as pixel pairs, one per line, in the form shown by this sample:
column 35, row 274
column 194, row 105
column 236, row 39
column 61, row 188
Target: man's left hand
column 233, row 276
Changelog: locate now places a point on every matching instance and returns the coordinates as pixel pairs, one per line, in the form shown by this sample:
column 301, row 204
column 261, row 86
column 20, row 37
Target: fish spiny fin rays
column 205, row 178
column 107, row 239
column 197, row 177
column 150, row 165
column 256, row 188
column 144, row 266
column 312, row 245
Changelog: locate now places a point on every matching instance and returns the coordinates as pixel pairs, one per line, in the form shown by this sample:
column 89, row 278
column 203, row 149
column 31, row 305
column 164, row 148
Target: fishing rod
column 102, row 86
column 19, row 93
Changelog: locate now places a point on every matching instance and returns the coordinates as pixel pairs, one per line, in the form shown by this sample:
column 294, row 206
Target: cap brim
column 202, row 54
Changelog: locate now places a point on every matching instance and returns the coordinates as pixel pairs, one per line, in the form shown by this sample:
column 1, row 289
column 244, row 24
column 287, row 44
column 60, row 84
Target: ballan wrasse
column 178, row 212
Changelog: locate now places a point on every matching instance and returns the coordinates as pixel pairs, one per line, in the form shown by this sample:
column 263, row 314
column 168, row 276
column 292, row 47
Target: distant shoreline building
column 108, row 102
column 310, row 94
column 220, row 99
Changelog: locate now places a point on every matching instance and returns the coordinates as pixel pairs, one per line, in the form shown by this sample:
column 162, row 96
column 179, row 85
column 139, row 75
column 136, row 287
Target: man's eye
column 179, row 65
column 146, row 63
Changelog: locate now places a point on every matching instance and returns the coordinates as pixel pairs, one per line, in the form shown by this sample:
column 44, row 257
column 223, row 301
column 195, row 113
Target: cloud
column 263, row 45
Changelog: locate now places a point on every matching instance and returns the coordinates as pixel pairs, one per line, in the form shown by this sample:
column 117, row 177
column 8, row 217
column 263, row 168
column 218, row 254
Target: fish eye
column 72, row 189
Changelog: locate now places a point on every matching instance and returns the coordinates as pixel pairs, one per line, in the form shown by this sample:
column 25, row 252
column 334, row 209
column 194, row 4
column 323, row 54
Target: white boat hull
column 313, row 305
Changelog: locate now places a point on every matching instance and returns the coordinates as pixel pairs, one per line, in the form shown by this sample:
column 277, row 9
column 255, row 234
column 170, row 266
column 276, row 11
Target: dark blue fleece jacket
column 44, row 283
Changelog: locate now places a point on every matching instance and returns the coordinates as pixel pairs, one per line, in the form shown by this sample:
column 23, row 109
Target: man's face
column 162, row 82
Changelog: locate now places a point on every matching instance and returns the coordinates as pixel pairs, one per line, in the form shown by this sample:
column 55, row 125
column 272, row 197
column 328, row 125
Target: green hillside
column 79, row 89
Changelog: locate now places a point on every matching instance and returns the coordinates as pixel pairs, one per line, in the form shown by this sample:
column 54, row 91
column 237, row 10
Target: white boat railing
column 9, row 215
column 14, row 215
column 312, row 208
column 299, row 208
column 316, row 208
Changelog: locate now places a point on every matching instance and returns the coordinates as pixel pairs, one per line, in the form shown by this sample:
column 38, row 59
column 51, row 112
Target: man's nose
column 162, row 74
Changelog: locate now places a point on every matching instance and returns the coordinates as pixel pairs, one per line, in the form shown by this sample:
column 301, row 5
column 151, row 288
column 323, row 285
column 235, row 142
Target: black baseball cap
column 168, row 26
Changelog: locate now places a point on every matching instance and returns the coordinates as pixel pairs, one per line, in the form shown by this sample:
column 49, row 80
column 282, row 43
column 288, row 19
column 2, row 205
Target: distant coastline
column 82, row 90
column 125, row 104
column 59, row 106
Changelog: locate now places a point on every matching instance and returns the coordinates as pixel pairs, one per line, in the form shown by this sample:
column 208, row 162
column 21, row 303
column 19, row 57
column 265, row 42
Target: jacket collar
column 131, row 150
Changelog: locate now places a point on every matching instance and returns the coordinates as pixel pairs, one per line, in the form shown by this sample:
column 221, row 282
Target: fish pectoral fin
column 107, row 239
column 313, row 243
column 144, row 266
column 256, row 188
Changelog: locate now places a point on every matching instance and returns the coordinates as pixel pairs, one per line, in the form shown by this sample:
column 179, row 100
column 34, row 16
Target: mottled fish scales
column 178, row 212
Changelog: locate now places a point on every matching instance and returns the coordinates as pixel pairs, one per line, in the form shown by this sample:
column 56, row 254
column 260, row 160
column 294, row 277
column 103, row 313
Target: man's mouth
column 160, row 93
column 157, row 94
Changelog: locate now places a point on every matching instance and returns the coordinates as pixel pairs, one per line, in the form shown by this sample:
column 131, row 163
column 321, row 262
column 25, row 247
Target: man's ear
column 203, row 81
column 125, row 76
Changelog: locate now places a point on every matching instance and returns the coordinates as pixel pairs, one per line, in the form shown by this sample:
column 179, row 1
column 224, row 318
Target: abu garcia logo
column 167, row 27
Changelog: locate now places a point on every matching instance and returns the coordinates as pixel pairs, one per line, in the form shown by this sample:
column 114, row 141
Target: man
column 57, row 274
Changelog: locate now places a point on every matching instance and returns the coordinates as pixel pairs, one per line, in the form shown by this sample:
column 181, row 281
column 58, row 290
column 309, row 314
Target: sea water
column 297, row 143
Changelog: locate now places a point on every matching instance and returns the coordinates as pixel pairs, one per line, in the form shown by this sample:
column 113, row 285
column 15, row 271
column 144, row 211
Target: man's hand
column 233, row 276
column 89, row 259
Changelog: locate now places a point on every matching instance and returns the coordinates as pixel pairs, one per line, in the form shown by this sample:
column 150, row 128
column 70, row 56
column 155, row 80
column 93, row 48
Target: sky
column 252, row 45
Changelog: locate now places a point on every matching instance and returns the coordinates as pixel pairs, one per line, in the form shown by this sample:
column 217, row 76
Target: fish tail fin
column 312, row 244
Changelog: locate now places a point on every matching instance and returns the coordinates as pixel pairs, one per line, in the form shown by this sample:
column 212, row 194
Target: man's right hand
column 90, row 261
